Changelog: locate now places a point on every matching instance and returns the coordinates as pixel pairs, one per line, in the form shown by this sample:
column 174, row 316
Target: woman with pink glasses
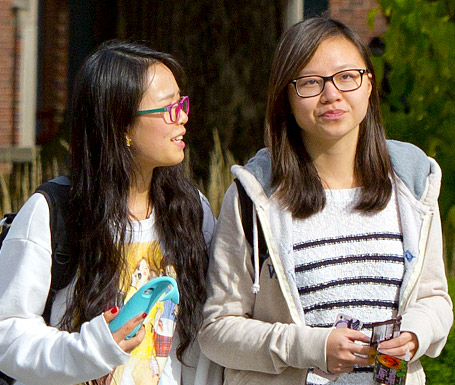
column 133, row 216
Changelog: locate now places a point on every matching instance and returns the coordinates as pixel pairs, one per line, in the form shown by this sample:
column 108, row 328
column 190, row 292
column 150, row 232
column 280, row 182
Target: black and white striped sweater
column 350, row 262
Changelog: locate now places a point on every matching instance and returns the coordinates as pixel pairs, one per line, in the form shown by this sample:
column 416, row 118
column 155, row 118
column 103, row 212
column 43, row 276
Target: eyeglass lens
column 174, row 109
column 344, row 81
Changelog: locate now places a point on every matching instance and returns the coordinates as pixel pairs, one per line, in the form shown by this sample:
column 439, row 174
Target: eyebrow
column 169, row 96
column 337, row 69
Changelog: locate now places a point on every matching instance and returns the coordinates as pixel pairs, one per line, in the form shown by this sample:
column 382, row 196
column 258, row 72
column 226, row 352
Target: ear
column 370, row 85
column 290, row 93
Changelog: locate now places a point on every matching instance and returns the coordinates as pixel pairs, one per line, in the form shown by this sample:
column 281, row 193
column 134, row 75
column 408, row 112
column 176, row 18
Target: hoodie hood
column 416, row 172
column 409, row 163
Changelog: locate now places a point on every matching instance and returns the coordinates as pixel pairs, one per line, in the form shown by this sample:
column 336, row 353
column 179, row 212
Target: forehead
column 333, row 54
column 160, row 83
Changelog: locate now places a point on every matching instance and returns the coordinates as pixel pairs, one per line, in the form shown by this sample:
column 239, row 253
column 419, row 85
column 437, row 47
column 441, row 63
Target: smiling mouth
column 177, row 138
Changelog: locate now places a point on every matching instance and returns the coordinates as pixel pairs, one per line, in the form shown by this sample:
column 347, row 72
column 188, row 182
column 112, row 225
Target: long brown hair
column 293, row 172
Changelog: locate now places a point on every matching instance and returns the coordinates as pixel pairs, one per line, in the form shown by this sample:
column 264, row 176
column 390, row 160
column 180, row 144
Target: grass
column 17, row 186
column 440, row 370
column 220, row 174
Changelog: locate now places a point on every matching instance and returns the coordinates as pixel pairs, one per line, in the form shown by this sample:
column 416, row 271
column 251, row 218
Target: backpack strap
column 64, row 266
column 6, row 380
column 246, row 210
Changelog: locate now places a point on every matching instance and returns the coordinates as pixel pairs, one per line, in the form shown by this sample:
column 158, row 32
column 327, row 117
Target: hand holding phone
column 342, row 321
column 144, row 299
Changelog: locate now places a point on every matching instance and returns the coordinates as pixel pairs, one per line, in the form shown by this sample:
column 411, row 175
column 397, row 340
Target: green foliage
column 440, row 371
column 418, row 87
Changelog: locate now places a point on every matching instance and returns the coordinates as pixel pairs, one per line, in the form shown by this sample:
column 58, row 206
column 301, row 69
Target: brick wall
column 354, row 13
column 53, row 91
column 6, row 71
column 54, row 67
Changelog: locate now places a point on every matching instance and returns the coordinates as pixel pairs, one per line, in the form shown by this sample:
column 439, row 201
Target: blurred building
column 43, row 43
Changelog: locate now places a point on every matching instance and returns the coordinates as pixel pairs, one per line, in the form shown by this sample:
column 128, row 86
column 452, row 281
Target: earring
column 128, row 141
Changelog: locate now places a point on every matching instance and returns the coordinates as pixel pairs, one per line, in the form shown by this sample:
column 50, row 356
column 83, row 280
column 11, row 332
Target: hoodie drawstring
column 255, row 287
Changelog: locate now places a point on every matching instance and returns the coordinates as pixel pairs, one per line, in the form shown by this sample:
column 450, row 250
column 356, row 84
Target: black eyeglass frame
column 327, row 78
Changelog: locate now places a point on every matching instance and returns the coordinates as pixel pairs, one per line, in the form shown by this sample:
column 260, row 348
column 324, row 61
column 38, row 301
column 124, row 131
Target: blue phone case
column 143, row 300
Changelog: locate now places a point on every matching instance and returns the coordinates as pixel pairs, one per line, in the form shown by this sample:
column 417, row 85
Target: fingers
column 404, row 346
column 363, row 351
column 119, row 336
column 347, row 365
column 399, row 352
column 355, row 335
column 402, row 339
column 404, row 352
column 349, row 335
column 359, row 336
column 128, row 327
column 111, row 314
column 343, row 352
column 129, row 345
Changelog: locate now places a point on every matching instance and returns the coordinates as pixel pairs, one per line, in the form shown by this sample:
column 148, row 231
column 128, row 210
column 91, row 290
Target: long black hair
column 107, row 93
column 293, row 173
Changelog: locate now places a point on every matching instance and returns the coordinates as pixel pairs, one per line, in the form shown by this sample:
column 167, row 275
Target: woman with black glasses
column 133, row 216
column 351, row 226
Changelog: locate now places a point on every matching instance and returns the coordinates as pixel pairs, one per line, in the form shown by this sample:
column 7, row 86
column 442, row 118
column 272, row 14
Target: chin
column 175, row 162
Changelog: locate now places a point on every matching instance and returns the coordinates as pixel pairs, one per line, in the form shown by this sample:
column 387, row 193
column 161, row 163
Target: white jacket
column 37, row 354
column 262, row 338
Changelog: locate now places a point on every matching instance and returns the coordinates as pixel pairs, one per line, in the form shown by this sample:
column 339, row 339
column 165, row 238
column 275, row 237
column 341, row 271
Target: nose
column 183, row 117
column 330, row 93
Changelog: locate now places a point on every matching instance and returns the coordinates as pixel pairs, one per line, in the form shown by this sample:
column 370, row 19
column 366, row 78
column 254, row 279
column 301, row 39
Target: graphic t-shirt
column 147, row 361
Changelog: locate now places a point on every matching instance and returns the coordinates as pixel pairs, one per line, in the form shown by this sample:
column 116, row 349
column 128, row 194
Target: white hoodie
column 261, row 336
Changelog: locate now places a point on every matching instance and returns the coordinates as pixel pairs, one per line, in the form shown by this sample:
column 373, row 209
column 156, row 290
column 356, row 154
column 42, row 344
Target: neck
column 139, row 202
column 335, row 164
